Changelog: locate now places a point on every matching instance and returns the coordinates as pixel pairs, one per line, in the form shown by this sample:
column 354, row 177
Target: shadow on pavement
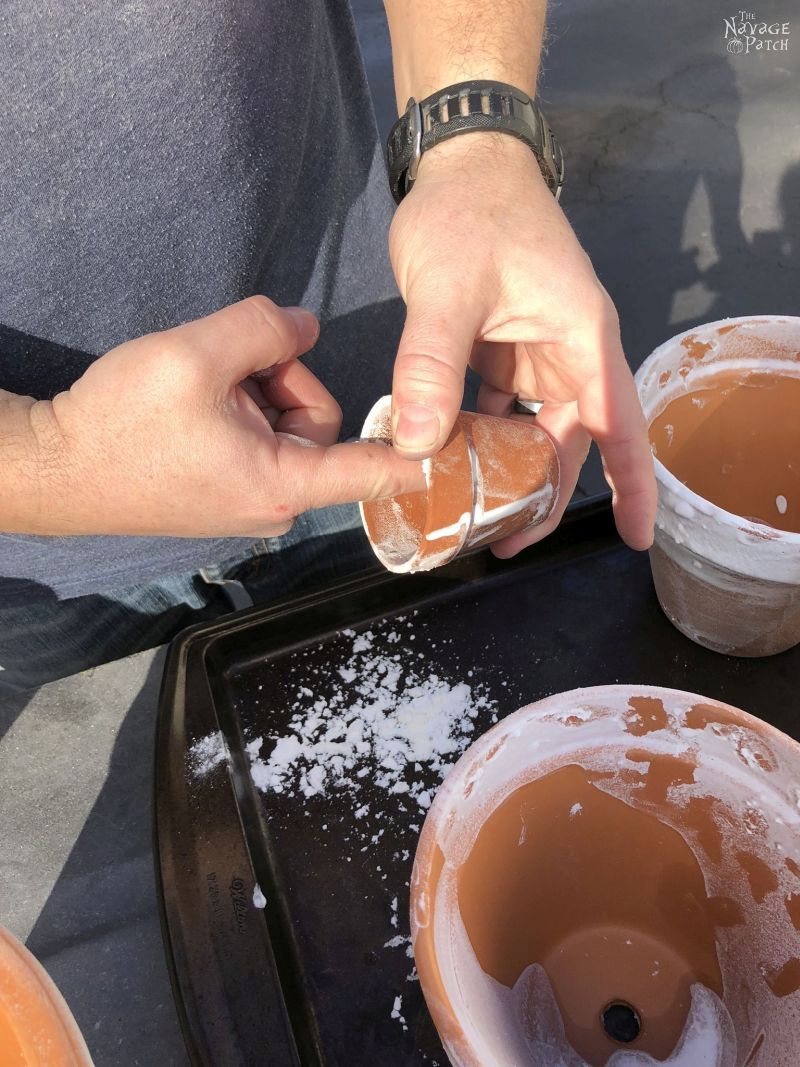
column 99, row 934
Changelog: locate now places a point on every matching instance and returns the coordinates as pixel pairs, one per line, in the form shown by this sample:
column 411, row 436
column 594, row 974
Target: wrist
column 494, row 123
column 473, row 153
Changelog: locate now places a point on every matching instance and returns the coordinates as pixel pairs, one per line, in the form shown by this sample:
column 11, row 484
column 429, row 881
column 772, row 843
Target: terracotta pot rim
column 377, row 412
column 669, row 481
column 484, row 743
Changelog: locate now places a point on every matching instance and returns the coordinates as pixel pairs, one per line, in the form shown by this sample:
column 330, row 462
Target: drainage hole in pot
column 621, row 1022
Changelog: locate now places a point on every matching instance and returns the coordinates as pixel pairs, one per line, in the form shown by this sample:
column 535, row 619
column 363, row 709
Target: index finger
column 609, row 408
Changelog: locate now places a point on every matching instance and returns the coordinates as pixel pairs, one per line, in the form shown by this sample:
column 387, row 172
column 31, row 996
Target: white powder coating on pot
column 524, row 1025
column 401, row 537
column 685, row 509
column 708, row 1038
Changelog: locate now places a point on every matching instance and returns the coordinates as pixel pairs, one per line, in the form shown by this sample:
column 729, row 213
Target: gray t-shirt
column 161, row 161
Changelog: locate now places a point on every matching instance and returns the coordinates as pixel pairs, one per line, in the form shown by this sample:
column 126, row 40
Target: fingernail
column 416, row 427
column 307, row 326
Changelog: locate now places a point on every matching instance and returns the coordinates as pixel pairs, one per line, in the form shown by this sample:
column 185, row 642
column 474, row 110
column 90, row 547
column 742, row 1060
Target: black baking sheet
column 313, row 978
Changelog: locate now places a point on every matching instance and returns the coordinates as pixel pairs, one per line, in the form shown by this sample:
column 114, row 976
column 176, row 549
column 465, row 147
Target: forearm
column 439, row 42
column 29, row 464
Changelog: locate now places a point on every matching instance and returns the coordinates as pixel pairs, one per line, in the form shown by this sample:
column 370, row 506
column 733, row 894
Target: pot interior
column 617, row 884
column 721, row 401
column 735, row 441
column 422, row 530
column 396, row 527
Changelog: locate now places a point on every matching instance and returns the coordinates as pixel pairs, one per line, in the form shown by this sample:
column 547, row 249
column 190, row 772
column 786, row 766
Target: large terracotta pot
column 611, row 877
column 723, row 405
column 36, row 1026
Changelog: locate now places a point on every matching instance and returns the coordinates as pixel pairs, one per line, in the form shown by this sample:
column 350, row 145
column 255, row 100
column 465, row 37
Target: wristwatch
column 471, row 105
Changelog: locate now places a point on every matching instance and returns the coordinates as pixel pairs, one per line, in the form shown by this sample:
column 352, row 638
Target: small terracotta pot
column 494, row 477
column 36, row 1026
column 726, row 560
column 611, row 877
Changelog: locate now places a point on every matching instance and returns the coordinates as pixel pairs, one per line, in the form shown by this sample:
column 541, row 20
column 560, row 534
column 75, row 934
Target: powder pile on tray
column 385, row 723
column 205, row 754
column 383, row 731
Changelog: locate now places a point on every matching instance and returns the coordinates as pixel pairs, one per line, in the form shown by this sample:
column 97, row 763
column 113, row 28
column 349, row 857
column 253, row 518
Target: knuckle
column 328, row 412
column 424, row 369
column 608, row 315
column 388, row 483
column 600, row 309
column 173, row 365
column 260, row 307
column 596, row 334
column 621, row 464
column 623, row 443
column 326, row 481
column 261, row 315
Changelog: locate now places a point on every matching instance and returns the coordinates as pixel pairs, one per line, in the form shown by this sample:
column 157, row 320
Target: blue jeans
column 60, row 637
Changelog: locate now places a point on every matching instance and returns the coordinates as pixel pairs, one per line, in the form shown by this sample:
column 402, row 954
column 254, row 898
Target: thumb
column 428, row 384
column 247, row 337
column 342, row 474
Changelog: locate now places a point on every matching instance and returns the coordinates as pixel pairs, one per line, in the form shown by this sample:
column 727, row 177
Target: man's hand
column 493, row 275
column 210, row 429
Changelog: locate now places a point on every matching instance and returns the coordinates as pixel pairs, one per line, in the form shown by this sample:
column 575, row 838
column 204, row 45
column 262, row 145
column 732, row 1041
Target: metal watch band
column 472, row 105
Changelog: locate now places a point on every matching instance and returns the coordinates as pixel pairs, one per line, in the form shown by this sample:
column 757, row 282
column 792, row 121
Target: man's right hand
column 208, row 429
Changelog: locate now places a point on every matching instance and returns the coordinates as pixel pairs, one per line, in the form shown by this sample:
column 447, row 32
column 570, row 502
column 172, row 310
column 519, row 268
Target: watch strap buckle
column 414, row 113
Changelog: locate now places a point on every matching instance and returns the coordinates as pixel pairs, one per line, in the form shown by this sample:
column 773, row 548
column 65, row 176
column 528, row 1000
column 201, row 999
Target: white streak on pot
column 541, row 496
column 448, row 531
